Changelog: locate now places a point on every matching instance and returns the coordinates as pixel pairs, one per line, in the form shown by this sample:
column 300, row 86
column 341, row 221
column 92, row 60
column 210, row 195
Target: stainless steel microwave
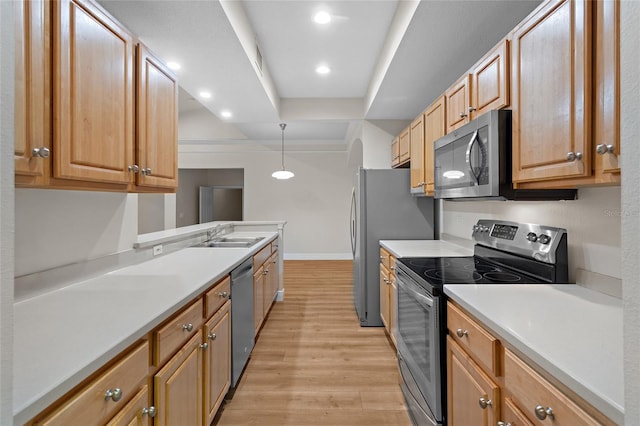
column 474, row 162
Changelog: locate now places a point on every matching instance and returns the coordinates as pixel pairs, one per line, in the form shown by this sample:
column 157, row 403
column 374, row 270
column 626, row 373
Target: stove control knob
column 544, row 239
column 531, row 236
column 485, row 229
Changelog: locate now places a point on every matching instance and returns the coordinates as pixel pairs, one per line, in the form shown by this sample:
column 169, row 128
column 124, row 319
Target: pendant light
column 282, row 174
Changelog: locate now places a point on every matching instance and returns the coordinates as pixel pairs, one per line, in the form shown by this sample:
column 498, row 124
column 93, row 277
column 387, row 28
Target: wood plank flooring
column 313, row 364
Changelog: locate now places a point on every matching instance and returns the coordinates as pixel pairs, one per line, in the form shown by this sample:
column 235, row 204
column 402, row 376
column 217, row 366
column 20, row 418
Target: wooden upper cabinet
column 93, row 95
column 434, row 129
column 395, row 152
column 32, row 92
column 490, row 81
column 404, row 143
column 458, row 103
column 551, row 92
column 607, row 91
column 157, row 122
column 417, row 154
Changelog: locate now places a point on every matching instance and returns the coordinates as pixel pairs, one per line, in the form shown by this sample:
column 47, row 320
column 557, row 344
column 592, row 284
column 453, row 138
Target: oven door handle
column 426, row 300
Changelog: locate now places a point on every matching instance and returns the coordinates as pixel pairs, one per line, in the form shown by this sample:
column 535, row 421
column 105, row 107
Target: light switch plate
column 157, row 249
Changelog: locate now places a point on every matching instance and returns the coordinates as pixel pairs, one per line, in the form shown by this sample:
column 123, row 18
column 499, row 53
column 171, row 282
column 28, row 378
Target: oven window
column 414, row 325
column 451, row 167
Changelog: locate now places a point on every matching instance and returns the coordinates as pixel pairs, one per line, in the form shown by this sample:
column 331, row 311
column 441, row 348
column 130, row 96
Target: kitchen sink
column 231, row 242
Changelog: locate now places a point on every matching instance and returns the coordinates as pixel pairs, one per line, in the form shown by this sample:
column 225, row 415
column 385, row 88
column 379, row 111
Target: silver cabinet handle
column 212, row 336
column 542, row 413
column 484, row 403
column 463, row 115
column 471, row 109
column 265, row 272
column 151, row 411
column 461, row 333
column 504, row 424
column 223, row 294
column 204, row 346
column 134, row 168
column 573, row 156
column 113, row 394
column 187, row 327
column 41, row 152
column 602, row 149
column 393, row 268
column 146, row 172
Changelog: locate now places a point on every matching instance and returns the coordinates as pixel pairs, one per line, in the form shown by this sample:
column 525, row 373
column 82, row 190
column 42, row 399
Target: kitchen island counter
column 65, row 335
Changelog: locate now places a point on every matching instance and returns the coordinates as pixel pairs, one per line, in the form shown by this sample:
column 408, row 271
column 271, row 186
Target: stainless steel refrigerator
column 382, row 208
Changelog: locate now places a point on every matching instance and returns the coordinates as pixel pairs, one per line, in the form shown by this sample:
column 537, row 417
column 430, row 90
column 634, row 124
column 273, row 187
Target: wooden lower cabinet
column 384, row 297
column 258, row 295
column 393, row 309
column 473, row 397
column 217, row 365
column 178, row 387
column 488, row 384
column 138, row 412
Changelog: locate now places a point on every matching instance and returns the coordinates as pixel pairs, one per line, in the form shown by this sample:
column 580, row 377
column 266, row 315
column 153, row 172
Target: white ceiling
column 389, row 59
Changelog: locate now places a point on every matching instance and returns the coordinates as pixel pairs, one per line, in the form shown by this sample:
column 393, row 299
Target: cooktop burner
column 439, row 271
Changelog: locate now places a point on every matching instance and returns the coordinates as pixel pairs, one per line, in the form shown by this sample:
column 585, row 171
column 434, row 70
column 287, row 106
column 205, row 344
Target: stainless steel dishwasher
column 242, row 328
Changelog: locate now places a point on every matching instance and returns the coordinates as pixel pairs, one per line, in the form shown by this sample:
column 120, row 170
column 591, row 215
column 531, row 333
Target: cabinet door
column 434, row 129
column 404, row 143
column 275, row 265
column 258, row 295
column 267, row 296
column 393, row 308
column 417, row 153
column 137, row 412
column 550, row 92
column 157, row 122
column 217, row 361
column 607, row 91
column 32, row 92
column 395, row 152
column 490, row 81
column 468, row 390
column 178, row 387
column 93, row 95
column 458, row 100
column 384, row 296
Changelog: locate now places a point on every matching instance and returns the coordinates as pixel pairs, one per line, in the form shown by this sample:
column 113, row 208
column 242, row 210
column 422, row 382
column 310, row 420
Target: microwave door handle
column 473, row 140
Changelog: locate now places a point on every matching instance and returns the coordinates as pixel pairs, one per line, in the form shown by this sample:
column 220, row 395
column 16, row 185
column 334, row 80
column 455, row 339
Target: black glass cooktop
column 439, row 271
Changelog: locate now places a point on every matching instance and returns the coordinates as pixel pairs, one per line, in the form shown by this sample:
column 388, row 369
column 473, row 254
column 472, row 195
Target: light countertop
column 63, row 336
column 425, row 248
column 573, row 333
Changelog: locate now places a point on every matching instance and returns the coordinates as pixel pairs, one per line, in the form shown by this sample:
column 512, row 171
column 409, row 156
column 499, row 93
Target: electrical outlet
column 157, row 249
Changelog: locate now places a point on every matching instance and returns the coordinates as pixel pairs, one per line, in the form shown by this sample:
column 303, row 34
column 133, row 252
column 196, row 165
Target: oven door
column 419, row 343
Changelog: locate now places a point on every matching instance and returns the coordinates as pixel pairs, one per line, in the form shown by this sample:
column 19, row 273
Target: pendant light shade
column 282, row 174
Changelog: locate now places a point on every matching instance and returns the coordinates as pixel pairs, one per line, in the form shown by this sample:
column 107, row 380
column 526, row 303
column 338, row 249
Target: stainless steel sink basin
column 231, row 242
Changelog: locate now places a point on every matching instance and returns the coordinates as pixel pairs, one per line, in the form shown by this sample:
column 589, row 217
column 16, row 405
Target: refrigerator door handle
column 353, row 219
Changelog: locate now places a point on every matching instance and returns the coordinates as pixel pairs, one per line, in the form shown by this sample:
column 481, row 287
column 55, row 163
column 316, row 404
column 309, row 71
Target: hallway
column 313, row 364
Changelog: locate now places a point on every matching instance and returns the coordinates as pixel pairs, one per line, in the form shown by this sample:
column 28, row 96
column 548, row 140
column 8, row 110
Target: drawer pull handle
column 223, row 294
column 484, row 403
column 542, row 413
column 504, row 424
column 187, row 327
column 204, row 346
column 212, row 336
column 151, row 411
column 113, row 394
column 41, row 152
column 461, row 333
column 602, row 149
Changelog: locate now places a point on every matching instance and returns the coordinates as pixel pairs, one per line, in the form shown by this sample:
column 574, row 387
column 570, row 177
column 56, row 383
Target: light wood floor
column 313, row 364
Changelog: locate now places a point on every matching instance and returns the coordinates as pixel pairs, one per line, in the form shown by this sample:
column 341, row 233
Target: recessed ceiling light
column 205, row 95
column 322, row 18
column 174, row 65
column 226, row 114
column 323, row 69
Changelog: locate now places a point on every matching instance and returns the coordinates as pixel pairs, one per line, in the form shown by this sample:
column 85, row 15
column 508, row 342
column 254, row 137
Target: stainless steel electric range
column 504, row 253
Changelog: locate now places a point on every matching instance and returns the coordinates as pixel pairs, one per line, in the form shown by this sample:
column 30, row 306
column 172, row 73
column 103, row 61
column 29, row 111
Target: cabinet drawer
column 177, row 331
column 217, row 296
column 138, row 412
column 392, row 264
column 384, row 258
column 260, row 257
column 92, row 403
column 530, row 390
column 474, row 339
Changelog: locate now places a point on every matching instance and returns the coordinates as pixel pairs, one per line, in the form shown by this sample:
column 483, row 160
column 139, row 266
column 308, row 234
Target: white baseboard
column 318, row 256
